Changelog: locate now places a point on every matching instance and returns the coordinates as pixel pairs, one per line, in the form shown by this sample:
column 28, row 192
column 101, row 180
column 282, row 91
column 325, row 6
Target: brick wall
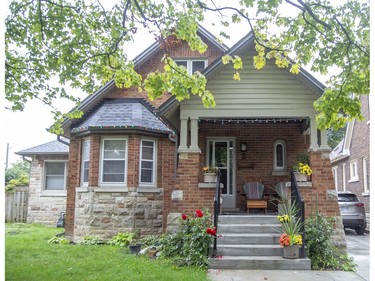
column 44, row 208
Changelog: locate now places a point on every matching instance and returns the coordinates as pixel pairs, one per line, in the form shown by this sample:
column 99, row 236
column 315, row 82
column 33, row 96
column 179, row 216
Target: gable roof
column 50, row 148
column 342, row 150
column 236, row 49
column 92, row 100
column 125, row 114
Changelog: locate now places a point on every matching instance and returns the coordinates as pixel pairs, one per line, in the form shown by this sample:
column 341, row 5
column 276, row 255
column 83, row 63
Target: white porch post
column 194, row 135
column 313, row 135
column 324, row 140
column 183, row 135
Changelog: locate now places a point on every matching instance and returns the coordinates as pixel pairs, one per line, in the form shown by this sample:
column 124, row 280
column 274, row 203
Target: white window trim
column 153, row 183
column 190, row 63
column 334, row 172
column 101, row 162
column 83, row 183
column 47, row 191
column 275, row 167
column 366, row 189
column 353, row 171
column 343, row 177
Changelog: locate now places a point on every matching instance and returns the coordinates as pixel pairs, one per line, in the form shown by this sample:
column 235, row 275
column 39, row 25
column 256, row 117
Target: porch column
column 194, row 135
column 324, row 140
column 313, row 135
column 183, row 135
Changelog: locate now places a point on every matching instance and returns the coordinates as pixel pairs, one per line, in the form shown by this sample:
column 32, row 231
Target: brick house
column 136, row 164
column 47, row 182
column 351, row 158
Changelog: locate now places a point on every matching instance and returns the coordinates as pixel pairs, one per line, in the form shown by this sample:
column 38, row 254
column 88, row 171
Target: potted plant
column 209, row 173
column 302, row 167
column 290, row 239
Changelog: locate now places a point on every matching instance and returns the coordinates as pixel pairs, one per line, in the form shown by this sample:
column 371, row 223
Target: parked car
column 352, row 212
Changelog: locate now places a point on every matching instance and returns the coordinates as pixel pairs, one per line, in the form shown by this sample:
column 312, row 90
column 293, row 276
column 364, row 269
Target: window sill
column 145, row 189
column 209, row 185
column 300, row 184
column 366, row 194
column 110, row 189
column 53, row 193
column 353, row 180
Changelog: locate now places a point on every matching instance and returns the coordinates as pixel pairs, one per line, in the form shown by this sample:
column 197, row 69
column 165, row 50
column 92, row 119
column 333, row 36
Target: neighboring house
column 351, row 158
column 136, row 164
column 48, row 181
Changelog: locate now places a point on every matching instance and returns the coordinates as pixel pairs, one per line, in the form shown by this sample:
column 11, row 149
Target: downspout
column 62, row 141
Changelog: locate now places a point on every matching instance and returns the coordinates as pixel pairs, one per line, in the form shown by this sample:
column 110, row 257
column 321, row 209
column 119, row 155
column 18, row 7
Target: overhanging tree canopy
column 82, row 43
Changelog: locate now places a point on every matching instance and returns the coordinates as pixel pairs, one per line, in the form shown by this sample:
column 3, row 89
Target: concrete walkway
column 281, row 275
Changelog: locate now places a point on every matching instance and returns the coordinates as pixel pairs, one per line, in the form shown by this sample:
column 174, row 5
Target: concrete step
column 248, row 238
column 249, row 250
column 249, row 228
column 258, row 262
column 248, row 219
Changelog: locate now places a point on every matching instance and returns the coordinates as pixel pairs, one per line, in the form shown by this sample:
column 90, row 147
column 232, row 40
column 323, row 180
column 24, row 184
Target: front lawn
column 28, row 256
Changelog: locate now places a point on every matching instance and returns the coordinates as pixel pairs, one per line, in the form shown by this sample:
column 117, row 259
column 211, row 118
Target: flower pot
column 300, row 177
column 135, row 248
column 291, row 252
column 209, row 177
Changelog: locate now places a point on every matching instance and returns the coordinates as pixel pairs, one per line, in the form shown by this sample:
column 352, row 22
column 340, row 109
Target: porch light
column 243, row 146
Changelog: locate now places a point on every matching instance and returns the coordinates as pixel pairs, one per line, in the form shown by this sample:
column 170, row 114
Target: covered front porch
column 261, row 150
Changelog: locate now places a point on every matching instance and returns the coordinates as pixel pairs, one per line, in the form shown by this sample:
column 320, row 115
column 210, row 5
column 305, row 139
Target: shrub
column 122, row 239
column 91, row 240
column 322, row 253
column 190, row 246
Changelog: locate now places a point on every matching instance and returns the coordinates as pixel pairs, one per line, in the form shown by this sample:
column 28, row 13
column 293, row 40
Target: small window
column 334, row 172
column 147, row 162
column 353, row 171
column 365, row 177
column 279, row 156
column 55, row 175
column 192, row 65
column 113, row 161
column 85, row 161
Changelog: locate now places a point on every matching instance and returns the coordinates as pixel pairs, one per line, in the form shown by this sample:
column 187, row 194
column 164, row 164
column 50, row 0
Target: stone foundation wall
column 107, row 213
column 44, row 208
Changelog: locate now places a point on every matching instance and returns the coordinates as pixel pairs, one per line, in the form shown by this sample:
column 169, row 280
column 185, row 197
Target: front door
column 221, row 153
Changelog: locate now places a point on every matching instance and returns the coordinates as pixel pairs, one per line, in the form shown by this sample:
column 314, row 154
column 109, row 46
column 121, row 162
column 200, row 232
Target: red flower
column 208, row 230
column 211, row 231
column 184, row 216
column 199, row 213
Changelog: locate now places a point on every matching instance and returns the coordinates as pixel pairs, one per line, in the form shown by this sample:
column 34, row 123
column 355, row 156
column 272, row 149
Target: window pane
column 86, row 150
column 113, row 171
column 114, row 149
column 148, row 153
column 55, row 168
column 198, row 65
column 183, row 63
column 114, row 154
column 55, row 183
column 147, row 165
column 146, row 176
column 279, row 155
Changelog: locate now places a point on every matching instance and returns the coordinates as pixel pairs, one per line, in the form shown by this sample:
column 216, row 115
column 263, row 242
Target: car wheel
column 360, row 230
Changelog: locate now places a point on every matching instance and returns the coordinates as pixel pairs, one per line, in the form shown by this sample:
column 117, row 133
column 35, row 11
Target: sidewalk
column 282, row 275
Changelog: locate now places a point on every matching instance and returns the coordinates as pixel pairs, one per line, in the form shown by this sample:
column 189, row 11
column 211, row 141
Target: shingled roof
column 50, row 148
column 133, row 114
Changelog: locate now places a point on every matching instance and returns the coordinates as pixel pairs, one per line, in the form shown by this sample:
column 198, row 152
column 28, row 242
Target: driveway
column 358, row 246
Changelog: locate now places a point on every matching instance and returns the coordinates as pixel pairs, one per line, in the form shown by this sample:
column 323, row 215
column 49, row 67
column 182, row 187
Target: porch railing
column 300, row 203
column 216, row 211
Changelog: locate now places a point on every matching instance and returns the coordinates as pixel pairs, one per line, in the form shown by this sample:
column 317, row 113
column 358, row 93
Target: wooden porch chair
column 255, row 198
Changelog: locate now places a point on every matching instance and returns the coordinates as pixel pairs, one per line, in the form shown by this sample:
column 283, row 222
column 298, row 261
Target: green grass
column 29, row 257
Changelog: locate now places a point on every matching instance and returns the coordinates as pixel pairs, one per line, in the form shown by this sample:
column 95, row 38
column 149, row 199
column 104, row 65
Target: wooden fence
column 16, row 206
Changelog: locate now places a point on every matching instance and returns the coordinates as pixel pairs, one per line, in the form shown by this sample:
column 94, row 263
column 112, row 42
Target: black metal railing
column 216, row 211
column 300, row 203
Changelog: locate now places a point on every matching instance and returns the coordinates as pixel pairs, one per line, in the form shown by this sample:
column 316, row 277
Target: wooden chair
column 255, row 199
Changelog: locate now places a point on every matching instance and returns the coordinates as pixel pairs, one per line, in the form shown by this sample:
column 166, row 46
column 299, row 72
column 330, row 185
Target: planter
column 300, row 177
column 135, row 248
column 291, row 252
column 209, row 177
